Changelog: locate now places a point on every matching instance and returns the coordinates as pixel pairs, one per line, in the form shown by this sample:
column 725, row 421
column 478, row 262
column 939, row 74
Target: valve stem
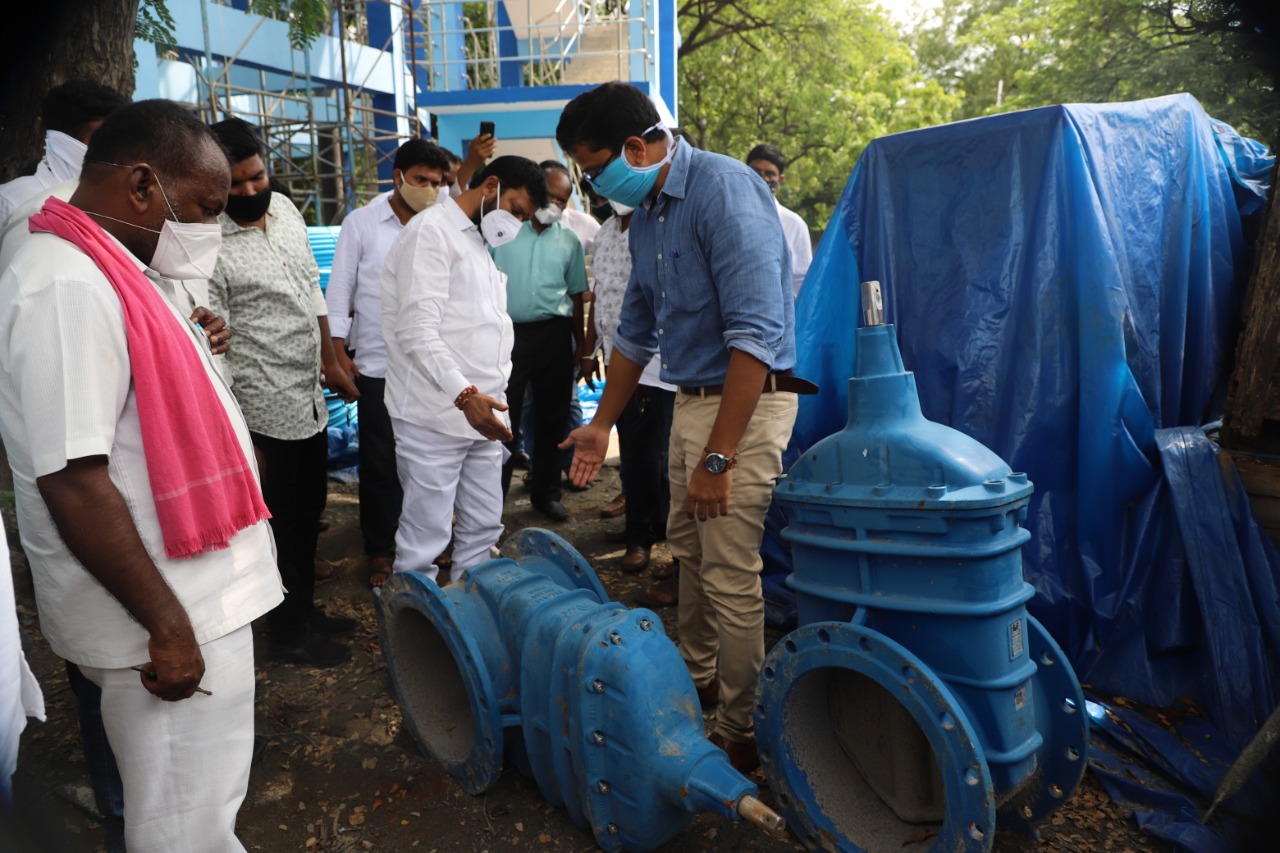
column 872, row 304
column 752, row 810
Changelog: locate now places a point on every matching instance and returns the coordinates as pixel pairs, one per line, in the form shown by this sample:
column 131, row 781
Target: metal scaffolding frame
column 323, row 140
column 329, row 143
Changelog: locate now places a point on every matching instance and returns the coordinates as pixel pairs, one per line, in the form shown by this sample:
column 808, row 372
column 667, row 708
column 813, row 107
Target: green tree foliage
column 307, row 19
column 820, row 80
column 1001, row 55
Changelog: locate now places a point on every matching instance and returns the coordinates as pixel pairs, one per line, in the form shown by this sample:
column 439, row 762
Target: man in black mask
column 267, row 286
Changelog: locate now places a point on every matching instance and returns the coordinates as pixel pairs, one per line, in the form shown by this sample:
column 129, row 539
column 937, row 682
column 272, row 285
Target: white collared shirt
column 66, row 392
column 63, row 156
column 799, row 245
column 444, row 320
column 582, row 224
column 355, row 282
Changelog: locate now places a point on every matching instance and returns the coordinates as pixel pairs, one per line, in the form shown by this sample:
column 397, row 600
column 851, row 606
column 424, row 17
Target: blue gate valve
column 528, row 659
column 919, row 705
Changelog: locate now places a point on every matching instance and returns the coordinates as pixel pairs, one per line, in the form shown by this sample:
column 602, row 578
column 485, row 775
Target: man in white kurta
column 354, row 297
column 69, row 420
column 449, row 339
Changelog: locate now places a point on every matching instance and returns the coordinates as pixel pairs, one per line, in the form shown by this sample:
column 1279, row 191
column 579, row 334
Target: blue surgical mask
column 630, row 185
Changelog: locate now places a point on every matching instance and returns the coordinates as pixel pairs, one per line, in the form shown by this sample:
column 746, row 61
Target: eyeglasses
column 590, row 175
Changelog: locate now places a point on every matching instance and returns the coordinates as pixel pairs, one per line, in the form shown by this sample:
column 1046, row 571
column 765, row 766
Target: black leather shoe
column 311, row 650
column 331, row 626
column 553, row 510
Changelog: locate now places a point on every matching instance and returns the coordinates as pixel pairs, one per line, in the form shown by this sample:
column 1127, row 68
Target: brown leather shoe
column 636, row 559
column 709, row 696
column 615, row 507
column 743, row 756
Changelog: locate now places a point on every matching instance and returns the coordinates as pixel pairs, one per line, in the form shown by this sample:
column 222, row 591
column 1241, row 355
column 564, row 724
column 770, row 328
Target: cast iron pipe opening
column 879, row 783
column 433, row 686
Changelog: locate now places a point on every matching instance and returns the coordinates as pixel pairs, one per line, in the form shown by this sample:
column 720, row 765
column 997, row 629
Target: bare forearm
column 742, row 386
column 94, row 521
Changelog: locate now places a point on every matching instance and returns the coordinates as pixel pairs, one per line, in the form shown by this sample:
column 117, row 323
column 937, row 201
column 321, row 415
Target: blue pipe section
column 529, row 660
column 952, row 706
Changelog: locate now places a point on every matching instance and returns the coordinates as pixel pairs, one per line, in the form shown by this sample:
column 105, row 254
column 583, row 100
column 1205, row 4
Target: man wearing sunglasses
column 710, row 291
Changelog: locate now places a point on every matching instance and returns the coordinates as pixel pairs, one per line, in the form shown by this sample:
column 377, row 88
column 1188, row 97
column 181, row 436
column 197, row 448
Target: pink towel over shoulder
column 204, row 489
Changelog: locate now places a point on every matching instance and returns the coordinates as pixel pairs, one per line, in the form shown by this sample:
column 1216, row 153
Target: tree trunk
column 61, row 40
column 1251, row 419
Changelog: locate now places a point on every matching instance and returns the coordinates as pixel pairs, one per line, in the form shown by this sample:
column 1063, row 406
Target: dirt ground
column 341, row 774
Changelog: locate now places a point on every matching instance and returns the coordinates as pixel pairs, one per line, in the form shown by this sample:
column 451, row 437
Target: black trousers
column 294, row 486
column 380, row 494
column 644, row 433
column 541, row 363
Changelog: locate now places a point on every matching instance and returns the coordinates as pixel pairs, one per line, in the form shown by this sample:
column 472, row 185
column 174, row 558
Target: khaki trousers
column 721, row 611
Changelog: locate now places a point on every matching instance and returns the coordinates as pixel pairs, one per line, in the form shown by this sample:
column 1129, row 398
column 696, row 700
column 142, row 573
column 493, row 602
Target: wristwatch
column 718, row 463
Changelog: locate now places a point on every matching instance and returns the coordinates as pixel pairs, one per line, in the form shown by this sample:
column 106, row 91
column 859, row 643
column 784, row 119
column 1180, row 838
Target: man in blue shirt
column 546, row 277
column 710, row 291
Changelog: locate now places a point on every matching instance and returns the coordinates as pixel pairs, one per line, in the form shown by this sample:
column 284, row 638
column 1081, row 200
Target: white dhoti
column 185, row 765
column 452, row 487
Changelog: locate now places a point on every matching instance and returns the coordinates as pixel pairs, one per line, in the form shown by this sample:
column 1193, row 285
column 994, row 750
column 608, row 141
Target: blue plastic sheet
column 1065, row 282
column 1166, row 767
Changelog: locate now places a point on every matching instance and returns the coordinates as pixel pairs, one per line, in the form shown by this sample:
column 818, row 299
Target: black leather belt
column 782, row 381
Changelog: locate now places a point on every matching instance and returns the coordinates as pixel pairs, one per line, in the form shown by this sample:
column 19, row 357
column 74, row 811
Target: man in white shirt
column 71, row 113
column 767, row 162
column 109, row 595
column 354, row 297
column 449, row 339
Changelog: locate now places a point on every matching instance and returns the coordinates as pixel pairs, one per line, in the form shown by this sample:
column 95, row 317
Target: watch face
column 716, row 463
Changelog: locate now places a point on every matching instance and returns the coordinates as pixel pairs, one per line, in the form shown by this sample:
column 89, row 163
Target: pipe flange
column 1061, row 719
column 544, row 553
column 806, row 797
column 408, row 599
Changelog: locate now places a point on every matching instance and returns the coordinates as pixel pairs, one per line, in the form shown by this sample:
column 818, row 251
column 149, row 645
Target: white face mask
column 620, row 209
column 498, row 227
column 549, row 215
column 185, row 250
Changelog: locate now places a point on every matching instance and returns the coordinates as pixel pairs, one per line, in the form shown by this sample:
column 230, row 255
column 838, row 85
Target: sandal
column 379, row 571
column 325, row 571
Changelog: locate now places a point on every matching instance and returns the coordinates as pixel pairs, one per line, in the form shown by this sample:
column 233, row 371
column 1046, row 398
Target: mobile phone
column 486, row 128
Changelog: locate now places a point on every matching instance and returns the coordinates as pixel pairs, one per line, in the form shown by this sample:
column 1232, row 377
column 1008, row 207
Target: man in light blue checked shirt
column 710, row 291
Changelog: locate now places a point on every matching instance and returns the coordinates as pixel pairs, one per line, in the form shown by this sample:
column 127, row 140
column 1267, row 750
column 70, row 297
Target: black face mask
column 601, row 211
column 249, row 208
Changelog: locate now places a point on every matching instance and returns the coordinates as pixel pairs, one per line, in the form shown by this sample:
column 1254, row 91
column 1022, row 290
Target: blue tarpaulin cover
column 1066, row 284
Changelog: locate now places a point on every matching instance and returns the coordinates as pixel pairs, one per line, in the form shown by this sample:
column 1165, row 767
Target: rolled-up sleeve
column 748, row 263
column 421, row 291
column 637, row 335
